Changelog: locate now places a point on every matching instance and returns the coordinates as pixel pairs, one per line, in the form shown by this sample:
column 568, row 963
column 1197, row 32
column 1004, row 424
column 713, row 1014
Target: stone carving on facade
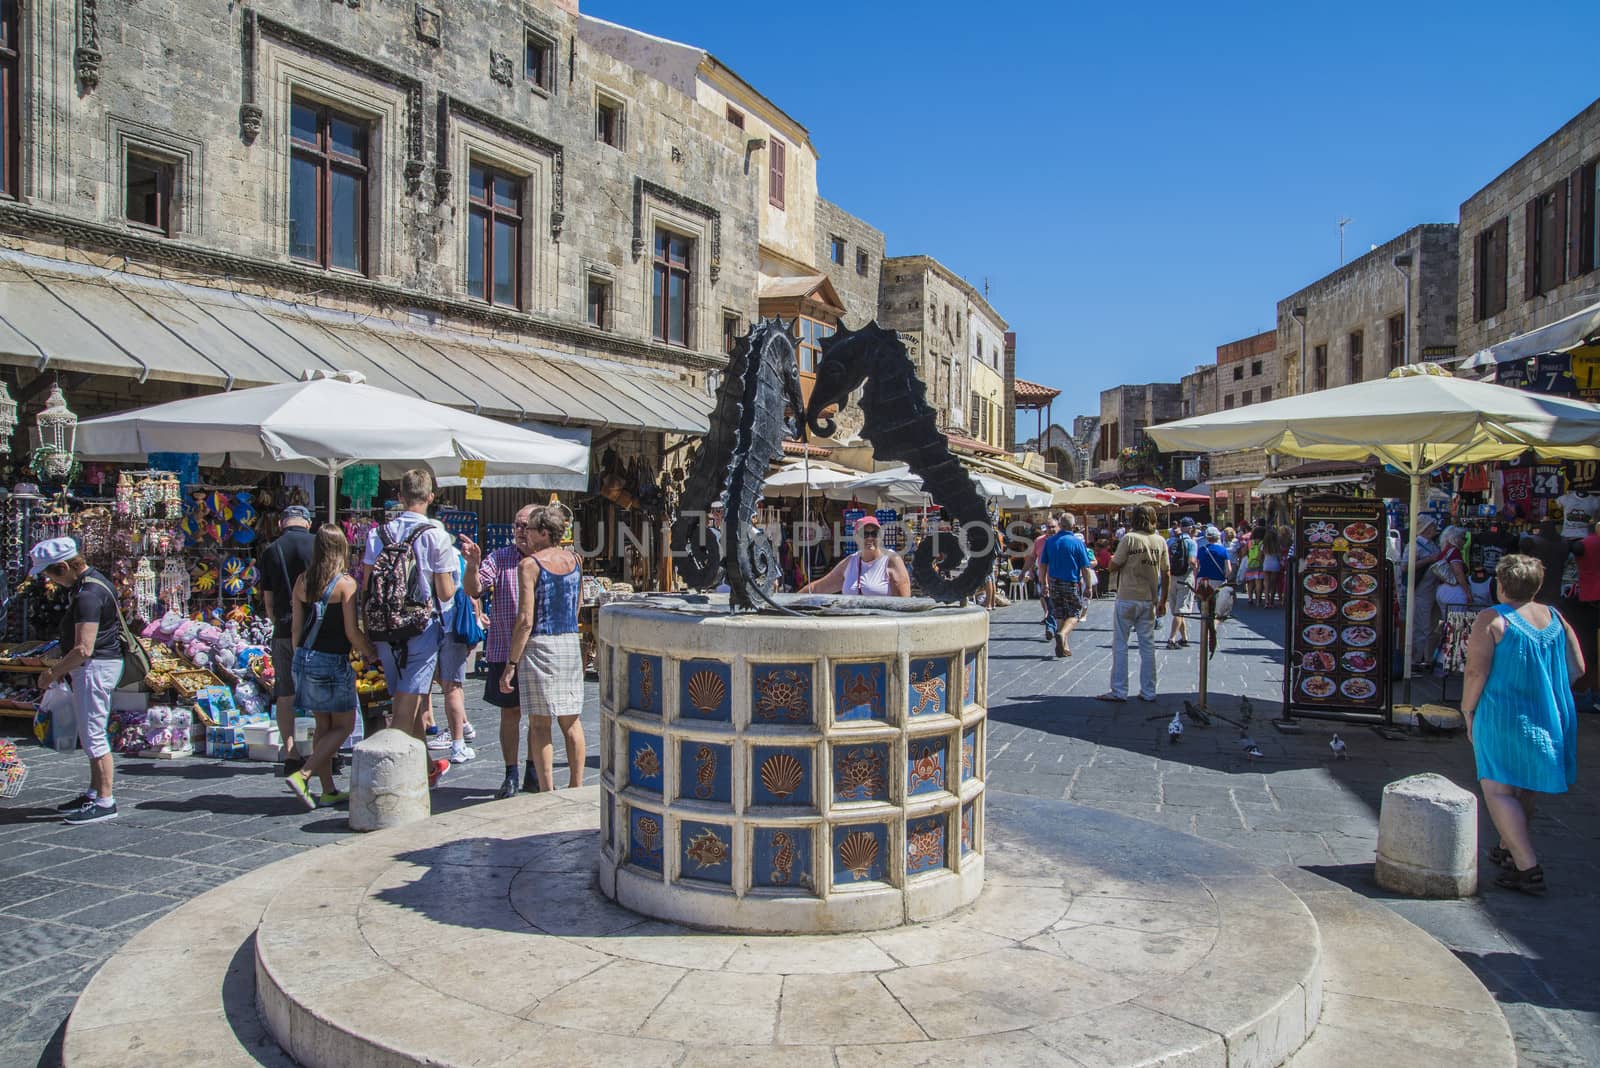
column 428, row 25
column 87, row 56
column 500, row 69
column 642, row 186
column 249, row 110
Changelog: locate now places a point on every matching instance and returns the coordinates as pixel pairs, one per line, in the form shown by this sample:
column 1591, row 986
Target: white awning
column 66, row 316
column 1563, row 335
column 1284, row 485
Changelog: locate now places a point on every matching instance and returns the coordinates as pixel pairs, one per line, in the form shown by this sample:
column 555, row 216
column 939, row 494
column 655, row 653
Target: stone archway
column 1066, row 463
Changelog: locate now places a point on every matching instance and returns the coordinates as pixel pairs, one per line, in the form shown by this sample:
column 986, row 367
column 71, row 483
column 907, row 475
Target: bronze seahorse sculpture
column 758, row 405
column 902, row 426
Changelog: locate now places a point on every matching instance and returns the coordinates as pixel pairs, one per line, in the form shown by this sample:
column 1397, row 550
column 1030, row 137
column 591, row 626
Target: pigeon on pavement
column 1175, row 728
column 1248, row 744
column 1337, row 745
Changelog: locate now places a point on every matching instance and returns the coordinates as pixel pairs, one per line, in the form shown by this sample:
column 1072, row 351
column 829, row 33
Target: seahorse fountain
column 902, row 426
column 758, row 406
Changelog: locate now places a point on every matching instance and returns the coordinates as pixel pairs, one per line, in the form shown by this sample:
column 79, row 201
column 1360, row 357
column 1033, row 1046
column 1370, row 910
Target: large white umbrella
column 1011, row 495
column 892, row 485
column 1096, row 497
column 1418, row 420
column 794, row 478
column 322, row 426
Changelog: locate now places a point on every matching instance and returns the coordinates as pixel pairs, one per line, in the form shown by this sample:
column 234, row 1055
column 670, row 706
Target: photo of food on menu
column 1337, row 650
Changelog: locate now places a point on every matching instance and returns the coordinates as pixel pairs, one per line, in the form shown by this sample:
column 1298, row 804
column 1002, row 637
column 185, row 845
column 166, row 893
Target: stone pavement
column 69, row 897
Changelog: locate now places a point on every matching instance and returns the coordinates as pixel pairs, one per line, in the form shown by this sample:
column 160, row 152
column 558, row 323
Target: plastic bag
column 57, row 707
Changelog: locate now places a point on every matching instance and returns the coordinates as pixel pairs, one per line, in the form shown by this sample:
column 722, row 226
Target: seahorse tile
column 705, row 691
column 860, row 691
column 782, row 694
column 969, row 753
column 782, row 775
column 782, row 857
column 928, row 688
column 644, row 684
column 861, row 772
column 967, row 833
column 705, row 772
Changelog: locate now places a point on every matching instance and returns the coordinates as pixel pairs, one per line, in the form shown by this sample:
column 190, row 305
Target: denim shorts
column 422, row 657
column 453, row 656
column 324, row 682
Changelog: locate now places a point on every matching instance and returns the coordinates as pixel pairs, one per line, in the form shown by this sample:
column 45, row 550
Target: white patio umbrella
column 1418, row 420
column 794, row 478
column 892, row 485
column 1008, row 494
column 322, row 426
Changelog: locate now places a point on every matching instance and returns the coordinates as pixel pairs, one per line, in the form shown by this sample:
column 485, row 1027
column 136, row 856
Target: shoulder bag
column 135, row 661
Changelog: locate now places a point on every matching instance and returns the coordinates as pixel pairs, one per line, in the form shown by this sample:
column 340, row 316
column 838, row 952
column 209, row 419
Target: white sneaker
column 469, row 733
column 461, row 752
column 441, row 740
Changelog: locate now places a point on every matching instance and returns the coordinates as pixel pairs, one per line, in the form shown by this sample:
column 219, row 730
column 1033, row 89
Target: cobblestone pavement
column 69, row 897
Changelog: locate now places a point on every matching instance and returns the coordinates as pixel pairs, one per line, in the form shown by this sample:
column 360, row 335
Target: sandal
column 1501, row 857
column 1527, row 880
column 1113, row 698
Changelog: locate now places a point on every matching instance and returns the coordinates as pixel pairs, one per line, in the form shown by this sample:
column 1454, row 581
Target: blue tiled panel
column 782, row 693
column 928, row 690
column 925, row 763
column 645, row 832
column 860, row 691
column 970, row 674
column 966, row 827
column 860, row 853
column 925, row 844
column 644, row 684
column 781, row 775
column 705, row 691
column 705, row 772
column 706, row 851
column 646, row 761
column 861, row 772
column 781, row 857
column 969, row 753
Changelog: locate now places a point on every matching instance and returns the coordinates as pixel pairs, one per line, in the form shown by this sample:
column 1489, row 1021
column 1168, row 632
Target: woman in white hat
column 91, row 648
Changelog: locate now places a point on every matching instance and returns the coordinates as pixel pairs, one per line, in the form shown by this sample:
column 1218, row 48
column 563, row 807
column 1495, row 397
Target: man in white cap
column 280, row 564
column 91, row 648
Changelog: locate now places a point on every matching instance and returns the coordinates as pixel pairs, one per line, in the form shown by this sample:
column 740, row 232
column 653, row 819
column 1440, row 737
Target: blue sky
column 1140, row 183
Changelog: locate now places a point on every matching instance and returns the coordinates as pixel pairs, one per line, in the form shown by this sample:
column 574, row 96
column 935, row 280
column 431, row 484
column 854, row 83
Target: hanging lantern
column 8, row 414
column 58, row 438
column 472, row 471
column 144, row 590
column 175, row 586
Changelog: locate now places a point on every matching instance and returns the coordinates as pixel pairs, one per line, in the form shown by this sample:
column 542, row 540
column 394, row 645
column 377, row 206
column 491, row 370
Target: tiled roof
column 1033, row 393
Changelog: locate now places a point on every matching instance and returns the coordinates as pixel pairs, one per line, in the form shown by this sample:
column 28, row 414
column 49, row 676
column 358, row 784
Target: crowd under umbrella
column 321, row 426
column 1418, row 419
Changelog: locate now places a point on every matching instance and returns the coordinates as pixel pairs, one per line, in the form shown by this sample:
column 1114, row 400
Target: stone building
column 1124, row 451
column 1248, row 372
column 1530, row 247
column 1199, row 390
column 472, row 203
column 850, row 252
column 957, row 341
column 1352, row 323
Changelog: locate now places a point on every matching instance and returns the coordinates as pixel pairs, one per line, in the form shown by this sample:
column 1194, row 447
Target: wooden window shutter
column 1480, row 274
column 1530, row 251
column 1499, row 263
column 1578, row 213
column 1557, row 238
column 775, row 173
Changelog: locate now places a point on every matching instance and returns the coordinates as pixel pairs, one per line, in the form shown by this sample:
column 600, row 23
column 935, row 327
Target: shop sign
column 1191, row 470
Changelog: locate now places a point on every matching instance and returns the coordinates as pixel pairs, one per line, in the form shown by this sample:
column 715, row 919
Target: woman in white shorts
column 545, row 660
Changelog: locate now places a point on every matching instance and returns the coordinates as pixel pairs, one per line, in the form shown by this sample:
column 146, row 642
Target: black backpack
column 1178, row 555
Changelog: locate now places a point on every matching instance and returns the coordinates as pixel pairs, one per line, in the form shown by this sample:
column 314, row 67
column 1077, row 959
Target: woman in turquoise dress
column 1517, row 703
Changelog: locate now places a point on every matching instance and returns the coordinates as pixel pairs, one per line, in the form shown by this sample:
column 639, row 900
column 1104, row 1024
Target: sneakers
column 92, row 812
column 468, row 732
column 296, row 782
column 439, row 739
column 75, row 804
column 338, row 797
column 461, row 752
column 507, row 788
column 436, row 770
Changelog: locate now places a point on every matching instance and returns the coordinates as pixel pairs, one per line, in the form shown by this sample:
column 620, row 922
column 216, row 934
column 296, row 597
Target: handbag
column 463, row 623
column 135, row 661
column 1442, row 572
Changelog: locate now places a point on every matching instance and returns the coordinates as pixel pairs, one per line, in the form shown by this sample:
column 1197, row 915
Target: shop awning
column 1563, row 335
column 1270, row 486
column 56, row 315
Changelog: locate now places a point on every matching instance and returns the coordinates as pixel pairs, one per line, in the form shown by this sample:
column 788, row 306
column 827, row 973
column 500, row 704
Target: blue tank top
column 556, row 602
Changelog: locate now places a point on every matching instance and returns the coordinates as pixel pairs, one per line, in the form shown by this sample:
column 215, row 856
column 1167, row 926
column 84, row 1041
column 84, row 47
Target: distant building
column 1530, row 246
column 850, row 252
column 1248, row 371
column 1352, row 323
column 1124, row 451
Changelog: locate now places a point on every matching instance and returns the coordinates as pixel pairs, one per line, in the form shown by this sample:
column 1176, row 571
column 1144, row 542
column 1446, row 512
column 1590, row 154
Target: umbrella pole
column 1411, row 569
column 333, row 489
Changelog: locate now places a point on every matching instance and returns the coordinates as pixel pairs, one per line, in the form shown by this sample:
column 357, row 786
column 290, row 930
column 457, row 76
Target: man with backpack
column 1181, row 554
column 408, row 588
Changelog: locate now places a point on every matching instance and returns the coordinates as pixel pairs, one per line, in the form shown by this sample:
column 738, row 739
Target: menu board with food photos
column 1340, row 611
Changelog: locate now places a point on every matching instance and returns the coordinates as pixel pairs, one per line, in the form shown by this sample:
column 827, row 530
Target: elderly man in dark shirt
column 1552, row 552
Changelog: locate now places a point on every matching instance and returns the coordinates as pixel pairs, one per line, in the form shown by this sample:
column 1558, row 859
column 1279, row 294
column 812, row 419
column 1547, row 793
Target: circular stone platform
column 480, row 938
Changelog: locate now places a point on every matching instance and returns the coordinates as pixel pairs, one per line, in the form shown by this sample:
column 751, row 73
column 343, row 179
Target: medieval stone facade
column 850, row 252
column 192, row 138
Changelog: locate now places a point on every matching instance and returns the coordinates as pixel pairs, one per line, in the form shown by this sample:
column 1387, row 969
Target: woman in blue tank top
column 1517, row 703
column 545, row 661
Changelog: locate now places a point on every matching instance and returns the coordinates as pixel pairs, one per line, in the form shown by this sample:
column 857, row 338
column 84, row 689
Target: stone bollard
column 1428, row 838
column 388, row 782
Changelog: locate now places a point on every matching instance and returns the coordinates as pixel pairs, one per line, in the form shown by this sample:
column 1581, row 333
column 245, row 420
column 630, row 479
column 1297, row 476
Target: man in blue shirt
column 1065, row 558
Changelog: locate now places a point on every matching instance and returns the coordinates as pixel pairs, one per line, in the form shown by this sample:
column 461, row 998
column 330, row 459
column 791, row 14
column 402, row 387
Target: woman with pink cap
column 871, row 571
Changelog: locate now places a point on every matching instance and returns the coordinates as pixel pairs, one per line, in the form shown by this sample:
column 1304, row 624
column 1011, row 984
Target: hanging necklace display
column 144, row 589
